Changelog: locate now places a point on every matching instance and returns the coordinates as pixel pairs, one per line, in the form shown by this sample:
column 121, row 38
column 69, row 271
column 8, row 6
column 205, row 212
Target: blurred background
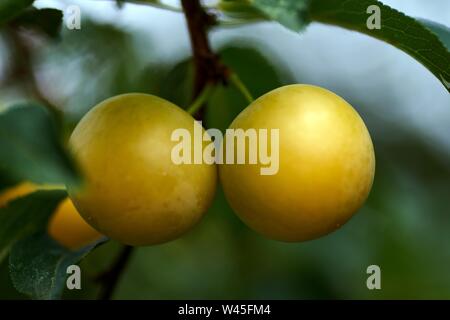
column 404, row 226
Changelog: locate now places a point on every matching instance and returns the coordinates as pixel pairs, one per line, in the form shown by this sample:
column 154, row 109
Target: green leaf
column 443, row 32
column 47, row 21
column 38, row 265
column 86, row 53
column 423, row 41
column 120, row 3
column 290, row 13
column 397, row 29
column 178, row 84
column 25, row 216
column 9, row 9
column 6, row 181
column 293, row 14
column 241, row 10
column 30, row 148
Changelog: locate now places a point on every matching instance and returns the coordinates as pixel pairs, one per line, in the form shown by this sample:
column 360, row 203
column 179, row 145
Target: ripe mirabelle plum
column 66, row 226
column 326, row 165
column 134, row 192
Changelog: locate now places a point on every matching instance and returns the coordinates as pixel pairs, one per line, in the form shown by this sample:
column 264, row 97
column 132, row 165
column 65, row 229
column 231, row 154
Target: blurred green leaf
column 25, row 216
column 290, row 13
column 12, row 8
column 120, row 3
column 443, row 32
column 8, row 292
column 47, row 20
column 178, row 84
column 38, row 265
column 401, row 31
column 160, row 4
column 30, row 148
column 6, row 181
column 240, row 10
column 103, row 55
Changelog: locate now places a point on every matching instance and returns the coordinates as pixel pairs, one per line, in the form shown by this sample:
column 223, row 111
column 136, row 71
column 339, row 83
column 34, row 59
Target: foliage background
column 404, row 226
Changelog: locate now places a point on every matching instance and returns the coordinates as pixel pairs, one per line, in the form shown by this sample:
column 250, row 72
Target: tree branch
column 110, row 279
column 208, row 67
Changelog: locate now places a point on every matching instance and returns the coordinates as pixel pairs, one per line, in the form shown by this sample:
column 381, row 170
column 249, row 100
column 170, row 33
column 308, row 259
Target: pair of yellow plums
column 136, row 194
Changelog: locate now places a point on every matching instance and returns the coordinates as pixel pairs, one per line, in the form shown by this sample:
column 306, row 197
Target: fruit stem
column 201, row 99
column 111, row 277
column 237, row 82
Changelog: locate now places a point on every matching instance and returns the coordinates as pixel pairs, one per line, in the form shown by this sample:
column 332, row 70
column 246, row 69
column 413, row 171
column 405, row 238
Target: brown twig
column 208, row 66
column 110, row 279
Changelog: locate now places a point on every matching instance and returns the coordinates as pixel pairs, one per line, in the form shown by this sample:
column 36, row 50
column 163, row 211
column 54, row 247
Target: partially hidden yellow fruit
column 66, row 226
column 326, row 165
column 134, row 192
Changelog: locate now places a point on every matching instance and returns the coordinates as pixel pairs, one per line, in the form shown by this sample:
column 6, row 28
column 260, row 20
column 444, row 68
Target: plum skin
column 326, row 165
column 134, row 192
